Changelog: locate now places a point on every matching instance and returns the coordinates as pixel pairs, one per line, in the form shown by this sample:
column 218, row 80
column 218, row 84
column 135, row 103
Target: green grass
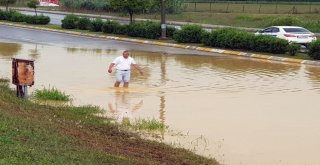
column 50, row 94
column 150, row 125
column 38, row 134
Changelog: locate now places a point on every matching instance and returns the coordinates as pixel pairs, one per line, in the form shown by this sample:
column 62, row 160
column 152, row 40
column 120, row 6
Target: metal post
column 163, row 20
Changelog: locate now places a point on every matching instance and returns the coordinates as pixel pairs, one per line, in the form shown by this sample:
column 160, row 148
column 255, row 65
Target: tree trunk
column 7, row 6
column 35, row 10
column 131, row 17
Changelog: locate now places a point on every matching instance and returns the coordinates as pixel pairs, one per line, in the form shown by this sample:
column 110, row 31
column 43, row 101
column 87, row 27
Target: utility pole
column 163, row 20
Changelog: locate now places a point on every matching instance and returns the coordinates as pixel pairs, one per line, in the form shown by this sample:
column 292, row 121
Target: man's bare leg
column 126, row 84
column 116, row 84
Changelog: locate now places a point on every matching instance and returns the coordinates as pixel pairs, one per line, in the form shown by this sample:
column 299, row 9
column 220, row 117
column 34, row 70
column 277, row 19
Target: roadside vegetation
column 15, row 16
column 50, row 94
column 149, row 125
column 38, row 134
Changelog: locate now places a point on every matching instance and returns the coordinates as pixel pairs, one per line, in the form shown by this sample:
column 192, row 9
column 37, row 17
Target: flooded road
column 237, row 110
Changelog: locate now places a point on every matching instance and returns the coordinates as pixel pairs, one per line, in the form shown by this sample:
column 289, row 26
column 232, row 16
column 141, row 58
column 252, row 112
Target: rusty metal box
column 22, row 72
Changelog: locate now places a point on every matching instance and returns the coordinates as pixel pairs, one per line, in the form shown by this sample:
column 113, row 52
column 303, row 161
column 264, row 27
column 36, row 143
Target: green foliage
column 172, row 6
column 88, row 5
column 96, row 25
column 110, row 26
column 7, row 3
column 101, row 5
column 189, row 34
column 150, row 125
column 15, row 16
column 131, row 7
column 286, row 21
column 84, row 23
column 70, row 22
column 170, row 31
column 50, row 94
column 33, row 4
column 269, row 44
column 234, row 39
column 293, row 48
column 147, row 29
column 3, row 15
column 314, row 50
column 39, row 20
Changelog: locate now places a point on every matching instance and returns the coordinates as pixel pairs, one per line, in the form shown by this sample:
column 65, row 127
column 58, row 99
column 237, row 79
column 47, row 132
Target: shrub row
column 15, row 16
column 148, row 29
column 223, row 38
column 231, row 38
column 314, row 50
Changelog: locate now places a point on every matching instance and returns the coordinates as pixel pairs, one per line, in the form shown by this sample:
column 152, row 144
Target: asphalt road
column 17, row 34
column 57, row 18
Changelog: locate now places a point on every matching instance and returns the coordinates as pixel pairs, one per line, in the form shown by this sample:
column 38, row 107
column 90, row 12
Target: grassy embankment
column 38, row 134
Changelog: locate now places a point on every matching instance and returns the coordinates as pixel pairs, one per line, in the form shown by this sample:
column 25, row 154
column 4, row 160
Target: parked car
column 294, row 34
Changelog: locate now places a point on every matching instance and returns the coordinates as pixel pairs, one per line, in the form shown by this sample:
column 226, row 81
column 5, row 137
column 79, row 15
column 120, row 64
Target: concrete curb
column 205, row 49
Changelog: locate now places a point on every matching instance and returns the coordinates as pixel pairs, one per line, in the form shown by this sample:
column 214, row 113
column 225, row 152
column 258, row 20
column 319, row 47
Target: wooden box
column 22, row 72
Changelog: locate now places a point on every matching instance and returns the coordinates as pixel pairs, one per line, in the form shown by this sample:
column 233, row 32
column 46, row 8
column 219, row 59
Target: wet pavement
column 237, row 110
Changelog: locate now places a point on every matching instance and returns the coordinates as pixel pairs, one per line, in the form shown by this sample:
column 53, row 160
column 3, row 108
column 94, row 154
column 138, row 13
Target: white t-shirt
column 123, row 63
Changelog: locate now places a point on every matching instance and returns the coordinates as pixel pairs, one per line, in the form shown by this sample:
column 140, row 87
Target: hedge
column 314, row 49
column 15, row 16
column 40, row 19
column 189, row 34
column 235, row 39
column 70, row 22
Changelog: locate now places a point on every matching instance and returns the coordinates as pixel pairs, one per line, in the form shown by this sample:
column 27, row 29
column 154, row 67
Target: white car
column 294, row 34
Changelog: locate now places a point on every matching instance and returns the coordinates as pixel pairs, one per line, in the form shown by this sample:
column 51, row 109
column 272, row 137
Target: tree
column 7, row 2
column 33, row 4
column 131, row 6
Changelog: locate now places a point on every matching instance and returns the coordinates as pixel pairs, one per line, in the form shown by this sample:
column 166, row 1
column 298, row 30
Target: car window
column 296, row 30
column 275, row 30
column 268, row 30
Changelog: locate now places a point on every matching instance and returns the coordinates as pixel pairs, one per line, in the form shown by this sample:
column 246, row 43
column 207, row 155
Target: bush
column 314, row 50
column 110, row 26
column 234, row 39
column 170, row 31
column 70, row 22
column 3, row 15
column 286, row 21
column 189, row 34
column 293, row 48
column 269, row 44
column 84, row 23
column 136, row 30
column 96, row 25
column 16, row 17
column 122, row 29
column 152, row 30
column 88, row 5
column 40, row 19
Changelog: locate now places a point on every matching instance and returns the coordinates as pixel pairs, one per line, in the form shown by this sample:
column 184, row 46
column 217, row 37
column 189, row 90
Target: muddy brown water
column 237, row 110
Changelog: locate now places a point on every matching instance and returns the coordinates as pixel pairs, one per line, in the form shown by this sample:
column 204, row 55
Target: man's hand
column 141, row 71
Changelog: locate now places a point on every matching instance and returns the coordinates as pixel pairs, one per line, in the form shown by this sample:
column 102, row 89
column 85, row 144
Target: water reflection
column 122, row 109
column 236, row 64
column 8, row 50
column 34, row 53
column 248, row 111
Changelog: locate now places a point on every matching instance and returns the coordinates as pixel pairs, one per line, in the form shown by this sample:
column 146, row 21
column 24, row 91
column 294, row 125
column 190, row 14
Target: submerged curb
column 205, row 49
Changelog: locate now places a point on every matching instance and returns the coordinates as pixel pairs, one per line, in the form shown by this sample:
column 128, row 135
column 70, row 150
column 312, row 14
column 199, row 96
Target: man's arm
column 110, row 67
column 138, row 68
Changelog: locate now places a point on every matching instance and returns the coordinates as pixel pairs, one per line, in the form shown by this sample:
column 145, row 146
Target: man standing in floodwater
column 123, row 65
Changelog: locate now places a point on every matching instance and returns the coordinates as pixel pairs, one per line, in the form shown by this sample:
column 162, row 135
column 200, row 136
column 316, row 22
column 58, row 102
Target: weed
column 50, row 94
